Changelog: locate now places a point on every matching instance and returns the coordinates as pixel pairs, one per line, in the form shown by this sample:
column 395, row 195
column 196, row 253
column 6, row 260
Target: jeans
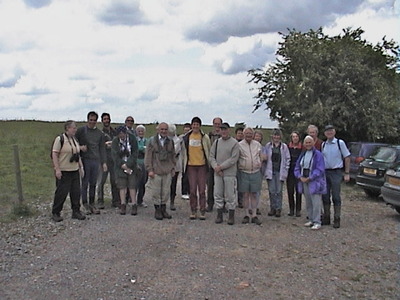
column 91, row 167
column 275, row 191
column 333, row 186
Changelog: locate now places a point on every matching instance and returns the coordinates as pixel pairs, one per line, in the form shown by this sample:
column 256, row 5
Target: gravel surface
column 110, row 256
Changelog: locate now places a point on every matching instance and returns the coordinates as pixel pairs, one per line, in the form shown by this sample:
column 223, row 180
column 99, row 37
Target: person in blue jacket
column 310, row 170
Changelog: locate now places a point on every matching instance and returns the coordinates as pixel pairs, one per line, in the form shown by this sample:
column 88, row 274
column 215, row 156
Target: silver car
column 391, row 188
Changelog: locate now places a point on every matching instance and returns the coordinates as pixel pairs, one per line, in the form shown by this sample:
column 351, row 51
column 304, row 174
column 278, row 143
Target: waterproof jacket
column 317, row 184
column 160, row 159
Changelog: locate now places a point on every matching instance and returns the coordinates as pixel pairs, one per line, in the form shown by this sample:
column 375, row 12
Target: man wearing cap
column 124, row 151
column 334, row 151
column 160, row 161
column 213, row 135
column 195, row 154
column 224, row 155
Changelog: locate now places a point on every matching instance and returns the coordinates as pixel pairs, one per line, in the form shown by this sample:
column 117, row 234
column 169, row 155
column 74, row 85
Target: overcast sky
column 157, row 60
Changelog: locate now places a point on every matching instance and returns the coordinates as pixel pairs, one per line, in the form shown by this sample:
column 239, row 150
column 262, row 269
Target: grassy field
column 34, row 139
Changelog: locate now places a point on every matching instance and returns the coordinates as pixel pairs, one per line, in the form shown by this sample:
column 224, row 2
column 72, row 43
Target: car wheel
column 371, row 193
column 397, row 208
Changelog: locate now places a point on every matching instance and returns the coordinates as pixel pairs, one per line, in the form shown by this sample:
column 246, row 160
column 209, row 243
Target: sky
column 158, row 60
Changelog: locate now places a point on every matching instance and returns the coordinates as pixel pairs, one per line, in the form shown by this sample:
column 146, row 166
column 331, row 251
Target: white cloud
column 156, row 60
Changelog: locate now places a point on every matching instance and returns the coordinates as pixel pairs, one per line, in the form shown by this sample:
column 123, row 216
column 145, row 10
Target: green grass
column 34, row 139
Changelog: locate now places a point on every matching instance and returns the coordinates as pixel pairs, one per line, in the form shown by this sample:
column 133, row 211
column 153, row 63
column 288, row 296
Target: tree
column 341, row 80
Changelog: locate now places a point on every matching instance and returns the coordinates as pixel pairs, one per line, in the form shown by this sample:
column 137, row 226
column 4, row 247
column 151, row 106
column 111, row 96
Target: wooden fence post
column 18, row 173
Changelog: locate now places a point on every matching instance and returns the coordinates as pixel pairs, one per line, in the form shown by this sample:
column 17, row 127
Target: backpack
column 61, row 142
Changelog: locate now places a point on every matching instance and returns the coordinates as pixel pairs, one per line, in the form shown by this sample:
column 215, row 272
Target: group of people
column 217, row 169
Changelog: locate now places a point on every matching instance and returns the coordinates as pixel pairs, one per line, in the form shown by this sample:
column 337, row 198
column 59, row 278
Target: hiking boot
column 164, row 212
column 57, row 218
column 202, row 215
column 219, row 218
column 298, row 213
column 172, row 206
column 231, row 218
column 336, row 222
column 278, row 213
column 134, row 209
column 256, row 221
column 157, row 213
column 258, row 212
column 123, row 209
column 94, row 210
column 291, row 213
column 246, row 220
column 272, row 212
column 87, row 209
column 100, row 204
column 78, row 215
column 193, row 215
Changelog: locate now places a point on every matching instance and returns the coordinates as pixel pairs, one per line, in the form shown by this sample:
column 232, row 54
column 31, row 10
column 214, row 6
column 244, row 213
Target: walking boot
column 172, row 205
column 326, row 218
column 336, row 216
column 272, row 212
column 134, row 209
column 100, row 204
column 164, row 212
column 219, row 218
column 123, row 209
column 278, row 213
column 157, row 214
column 231, row 218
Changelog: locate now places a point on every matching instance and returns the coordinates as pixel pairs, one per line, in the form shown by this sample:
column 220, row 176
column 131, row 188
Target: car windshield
column 384, row 154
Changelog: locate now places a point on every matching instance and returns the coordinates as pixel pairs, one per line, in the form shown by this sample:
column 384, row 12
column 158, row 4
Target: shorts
column 249, row 182
column 128, row 181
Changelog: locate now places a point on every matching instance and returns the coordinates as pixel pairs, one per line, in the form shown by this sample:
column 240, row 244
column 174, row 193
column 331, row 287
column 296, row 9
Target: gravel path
column 137, row 257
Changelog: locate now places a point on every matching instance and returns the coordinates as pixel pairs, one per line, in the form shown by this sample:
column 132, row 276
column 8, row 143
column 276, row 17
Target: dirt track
column 137, row 257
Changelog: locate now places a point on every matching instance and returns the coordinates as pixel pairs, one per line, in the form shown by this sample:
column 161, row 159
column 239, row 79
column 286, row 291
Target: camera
column 306, row 173
column 74, row 158
column 124, row 153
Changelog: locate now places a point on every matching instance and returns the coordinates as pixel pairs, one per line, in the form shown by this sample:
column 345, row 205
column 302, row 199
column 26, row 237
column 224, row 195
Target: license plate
column 369, row 171
column 394, row 180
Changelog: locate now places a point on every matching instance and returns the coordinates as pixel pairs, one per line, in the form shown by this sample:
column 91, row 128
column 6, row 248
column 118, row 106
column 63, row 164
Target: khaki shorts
column 128, row 181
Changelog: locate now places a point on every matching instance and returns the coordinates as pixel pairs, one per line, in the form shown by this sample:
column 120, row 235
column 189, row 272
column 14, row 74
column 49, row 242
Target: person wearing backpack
column 68, row 170
column 335, row 152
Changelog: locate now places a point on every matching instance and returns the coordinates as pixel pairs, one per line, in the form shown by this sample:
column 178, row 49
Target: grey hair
column 249, row 129
column 141, row 127
column 309, row 137
column 172, row 128
column 312, row 127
